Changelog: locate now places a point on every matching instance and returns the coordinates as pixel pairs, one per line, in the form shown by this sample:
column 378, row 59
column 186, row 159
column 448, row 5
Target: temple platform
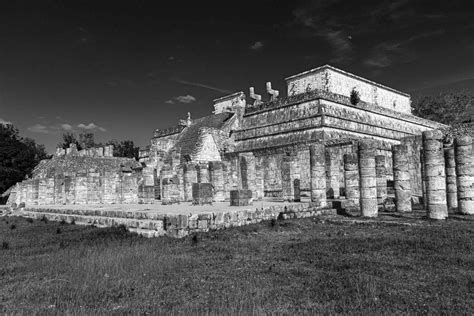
column 176, row 220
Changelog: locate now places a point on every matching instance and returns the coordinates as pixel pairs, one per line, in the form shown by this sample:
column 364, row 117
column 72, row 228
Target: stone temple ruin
column 336, row 139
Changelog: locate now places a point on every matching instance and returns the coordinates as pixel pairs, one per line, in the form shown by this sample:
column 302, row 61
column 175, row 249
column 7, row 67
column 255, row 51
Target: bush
column 5, row 245
column 12, row 226
column 355, row 97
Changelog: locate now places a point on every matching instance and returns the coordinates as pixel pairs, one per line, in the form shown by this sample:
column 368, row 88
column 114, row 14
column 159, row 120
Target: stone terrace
column 153, row 220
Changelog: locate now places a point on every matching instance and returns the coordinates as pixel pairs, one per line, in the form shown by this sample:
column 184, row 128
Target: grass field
column 294, row 266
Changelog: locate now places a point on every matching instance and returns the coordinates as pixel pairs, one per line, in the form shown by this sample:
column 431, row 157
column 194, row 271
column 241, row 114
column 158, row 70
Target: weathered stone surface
column 351, row 177
column 290, row 178
column 435, row 175
column 451, row 187
column 368, row 183
column 464, row 158
column 318, row 173
column 401, row 177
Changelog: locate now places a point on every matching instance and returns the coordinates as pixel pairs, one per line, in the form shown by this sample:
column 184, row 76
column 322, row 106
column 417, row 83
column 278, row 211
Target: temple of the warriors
column 334, row 137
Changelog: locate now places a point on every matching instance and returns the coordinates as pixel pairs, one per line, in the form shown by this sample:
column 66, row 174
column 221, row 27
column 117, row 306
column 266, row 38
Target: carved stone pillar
column 435, row 174
column 217, row 180
column 189, row 177
column 401, row 179
column 318, row 173
column 351, row 177
column 290, row 178
column 381, row 174
column 464, row 154
column 368, row 183
column 451, row 187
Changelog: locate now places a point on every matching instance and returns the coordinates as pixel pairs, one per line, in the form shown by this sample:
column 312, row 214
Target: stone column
column 289, row 173
column 81, row 187
column 180, row 175
column 35, row 191
column 368, row 183
column 317, row 165
column 247, row 172
column 217, row 180
column 94, row 192
column 259, row 185
column 464, row 154
column 49, row 198
column 42, row 189
column 190, row 177
column 451, row 187
column 69, row 188
column 333, row 174
column 203, row 172
column 381, row 174
column 435, row 174
column 351, row 177
column 401, row 179
column 111, row 187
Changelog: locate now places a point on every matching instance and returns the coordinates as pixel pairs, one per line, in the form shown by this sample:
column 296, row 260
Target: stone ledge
column 150, row 224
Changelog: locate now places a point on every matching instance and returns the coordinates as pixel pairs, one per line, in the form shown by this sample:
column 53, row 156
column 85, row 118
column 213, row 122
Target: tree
column 124, row 148
column 68, row 139
column 355, row 97
column 85, row 141
column 447, row 108
column 18, row 157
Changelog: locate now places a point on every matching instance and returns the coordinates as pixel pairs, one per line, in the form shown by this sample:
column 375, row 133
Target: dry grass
column 298, row 266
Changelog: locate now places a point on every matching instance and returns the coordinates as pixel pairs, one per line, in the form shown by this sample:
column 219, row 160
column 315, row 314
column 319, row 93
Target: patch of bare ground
column 335, row 265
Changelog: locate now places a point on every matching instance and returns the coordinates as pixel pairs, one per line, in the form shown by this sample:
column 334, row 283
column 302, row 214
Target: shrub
column 5, row 245
column 58, row 230
column 355, row 97
column 12, row 226
column 29, row 220
column 44, row 219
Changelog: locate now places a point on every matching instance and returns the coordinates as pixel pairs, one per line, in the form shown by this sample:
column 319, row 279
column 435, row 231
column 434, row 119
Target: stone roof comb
column 273, row 93
column 256, row 97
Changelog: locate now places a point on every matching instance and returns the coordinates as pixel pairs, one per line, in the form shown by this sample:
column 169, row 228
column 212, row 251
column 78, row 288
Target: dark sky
column 124, row 68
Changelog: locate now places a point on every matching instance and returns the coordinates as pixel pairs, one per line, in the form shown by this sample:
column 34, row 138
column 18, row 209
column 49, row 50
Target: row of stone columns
column 448, row 175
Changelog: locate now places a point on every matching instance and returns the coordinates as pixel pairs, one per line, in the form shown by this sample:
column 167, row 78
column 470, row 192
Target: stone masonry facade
column 264, row 144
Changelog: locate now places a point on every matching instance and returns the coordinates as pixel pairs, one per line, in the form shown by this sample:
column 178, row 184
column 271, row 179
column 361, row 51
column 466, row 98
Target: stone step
column 176, row 225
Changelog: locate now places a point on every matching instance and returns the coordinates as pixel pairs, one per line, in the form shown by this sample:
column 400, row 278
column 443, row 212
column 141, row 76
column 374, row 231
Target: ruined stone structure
column 89, row 176
column 312, row 144
column 263, row 143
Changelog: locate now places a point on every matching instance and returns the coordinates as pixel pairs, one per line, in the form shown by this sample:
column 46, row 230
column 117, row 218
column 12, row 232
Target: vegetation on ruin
column 18, row 157
column 326, row 265
column 354, row 97
column 448, row 107
column 124, row 148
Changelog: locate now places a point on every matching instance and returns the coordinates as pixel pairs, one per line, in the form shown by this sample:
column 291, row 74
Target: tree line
column 124, row 148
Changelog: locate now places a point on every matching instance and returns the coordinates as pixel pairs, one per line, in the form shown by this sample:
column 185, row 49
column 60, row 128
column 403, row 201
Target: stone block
column 241, row 197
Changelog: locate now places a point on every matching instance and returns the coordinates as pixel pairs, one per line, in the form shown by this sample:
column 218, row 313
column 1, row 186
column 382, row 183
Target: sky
column 122, row 69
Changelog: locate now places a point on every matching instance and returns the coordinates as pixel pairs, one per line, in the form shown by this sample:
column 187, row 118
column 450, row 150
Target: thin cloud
column 341, row 45
column 201, row 85
column 257, row 46
column 66, row 127
column 388, row 53
column 39, row 128
column 182, row 99
column 91, row 126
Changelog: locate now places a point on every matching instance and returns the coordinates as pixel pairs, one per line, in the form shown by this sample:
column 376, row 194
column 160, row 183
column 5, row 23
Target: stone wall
column 340, row 82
